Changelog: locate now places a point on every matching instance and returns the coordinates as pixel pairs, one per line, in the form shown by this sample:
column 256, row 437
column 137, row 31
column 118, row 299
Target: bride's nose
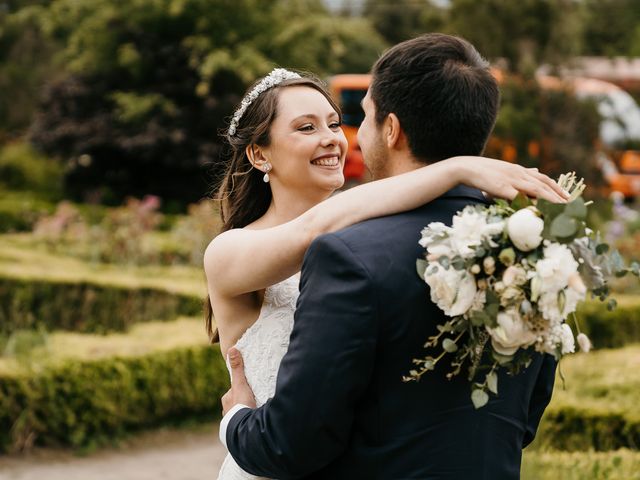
column 330, row 138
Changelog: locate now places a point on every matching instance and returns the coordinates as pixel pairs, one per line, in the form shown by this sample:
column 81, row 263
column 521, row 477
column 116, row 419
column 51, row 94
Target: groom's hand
column 240, row 392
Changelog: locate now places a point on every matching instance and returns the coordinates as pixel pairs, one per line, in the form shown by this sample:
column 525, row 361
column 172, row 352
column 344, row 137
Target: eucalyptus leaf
column 458, row 263
column 521, row 201
column 564, row 226
column 421, row 267
column 479, row 318
column 492, row 382
column 576, row 209
column 479, row 398
column 449, row 345
column 429, row 364
column 444, row 261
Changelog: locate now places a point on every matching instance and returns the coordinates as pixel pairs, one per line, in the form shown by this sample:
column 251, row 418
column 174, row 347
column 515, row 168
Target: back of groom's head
column 443, row 93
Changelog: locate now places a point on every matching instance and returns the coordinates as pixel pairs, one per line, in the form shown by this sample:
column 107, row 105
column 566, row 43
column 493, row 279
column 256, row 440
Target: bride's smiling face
column 308, row 147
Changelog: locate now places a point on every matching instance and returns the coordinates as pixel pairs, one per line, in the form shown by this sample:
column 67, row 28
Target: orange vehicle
column 348, row 91
column 620, row 123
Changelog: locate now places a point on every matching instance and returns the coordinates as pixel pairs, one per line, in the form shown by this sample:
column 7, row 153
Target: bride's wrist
column 458, row 170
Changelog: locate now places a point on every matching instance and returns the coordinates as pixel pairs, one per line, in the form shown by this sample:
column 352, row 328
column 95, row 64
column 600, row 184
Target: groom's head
column 431, row 97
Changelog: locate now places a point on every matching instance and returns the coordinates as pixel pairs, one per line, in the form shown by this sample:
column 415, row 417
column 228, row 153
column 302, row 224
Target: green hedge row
column 611, row 329
column 86, row 307
column 19, row 212
column 85, row 404
column 578, row 429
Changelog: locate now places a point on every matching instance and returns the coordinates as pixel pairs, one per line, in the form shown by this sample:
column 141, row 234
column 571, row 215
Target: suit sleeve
column 327, row 368
column 540, row 397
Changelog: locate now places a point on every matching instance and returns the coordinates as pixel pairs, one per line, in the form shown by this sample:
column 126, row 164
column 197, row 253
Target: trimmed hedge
column 19, row 212
column 85, row 307
column 579, row 429
column 84, row 404
column 611, row 329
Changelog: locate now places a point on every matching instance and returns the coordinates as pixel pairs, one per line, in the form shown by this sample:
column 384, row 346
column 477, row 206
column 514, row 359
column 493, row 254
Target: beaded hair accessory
column 276, row 77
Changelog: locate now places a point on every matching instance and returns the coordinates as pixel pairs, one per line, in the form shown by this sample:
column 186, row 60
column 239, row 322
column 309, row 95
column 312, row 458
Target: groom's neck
column 399, row 164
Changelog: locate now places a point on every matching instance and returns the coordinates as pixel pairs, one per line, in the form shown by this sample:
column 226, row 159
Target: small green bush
column 611, row 329
column 23, row 168
column 86, row 307
column 578, row 429
column 19, row 211
column 85, row 404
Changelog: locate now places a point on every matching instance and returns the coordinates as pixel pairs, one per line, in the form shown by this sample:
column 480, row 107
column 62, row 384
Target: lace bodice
column 262, row 346
column 264, row 343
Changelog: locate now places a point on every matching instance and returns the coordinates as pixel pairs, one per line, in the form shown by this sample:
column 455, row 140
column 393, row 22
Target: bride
column 288, row 151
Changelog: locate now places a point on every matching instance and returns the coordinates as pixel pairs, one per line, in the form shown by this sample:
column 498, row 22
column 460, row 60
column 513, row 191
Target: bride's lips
column 329, row 160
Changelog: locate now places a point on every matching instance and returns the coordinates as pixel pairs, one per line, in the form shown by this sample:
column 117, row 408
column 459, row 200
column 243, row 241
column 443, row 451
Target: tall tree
column 400, row 20
column 521, row 32
column 610, row 27
column 151, row 83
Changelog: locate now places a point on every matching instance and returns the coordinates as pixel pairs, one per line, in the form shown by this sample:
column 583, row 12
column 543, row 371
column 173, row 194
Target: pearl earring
column 267, row 169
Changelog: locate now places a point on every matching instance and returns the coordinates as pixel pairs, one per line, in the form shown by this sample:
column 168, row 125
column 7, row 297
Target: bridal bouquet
column 509, row 275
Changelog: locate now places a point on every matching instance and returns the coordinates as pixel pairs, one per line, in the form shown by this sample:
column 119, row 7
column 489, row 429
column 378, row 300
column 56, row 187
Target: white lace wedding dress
column 262, row 346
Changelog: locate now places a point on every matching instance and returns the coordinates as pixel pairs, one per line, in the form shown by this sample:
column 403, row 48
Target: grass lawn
column 21, row 257
column 141, row 339
column 554, row 465
column 601, row 380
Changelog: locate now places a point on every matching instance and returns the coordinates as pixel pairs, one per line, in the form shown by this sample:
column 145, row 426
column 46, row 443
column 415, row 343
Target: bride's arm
column 241, row 261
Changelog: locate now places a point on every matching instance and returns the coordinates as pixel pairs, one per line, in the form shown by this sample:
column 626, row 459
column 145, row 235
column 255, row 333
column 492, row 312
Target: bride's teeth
column 326, row 162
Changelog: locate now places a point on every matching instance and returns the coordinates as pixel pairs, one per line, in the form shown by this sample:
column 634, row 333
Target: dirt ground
column 160, row 455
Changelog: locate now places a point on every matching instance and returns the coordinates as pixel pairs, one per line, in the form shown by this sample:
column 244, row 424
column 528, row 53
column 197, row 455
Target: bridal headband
column 276, row 77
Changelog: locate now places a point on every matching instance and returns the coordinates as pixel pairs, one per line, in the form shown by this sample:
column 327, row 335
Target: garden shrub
column 611, row 329
column 86, row 307
column 89, row 403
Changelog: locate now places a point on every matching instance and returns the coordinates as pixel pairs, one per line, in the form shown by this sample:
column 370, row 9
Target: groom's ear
column 393, row 135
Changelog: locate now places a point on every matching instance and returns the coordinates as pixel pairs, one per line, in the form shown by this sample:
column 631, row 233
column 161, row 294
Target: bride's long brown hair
column 243, row 195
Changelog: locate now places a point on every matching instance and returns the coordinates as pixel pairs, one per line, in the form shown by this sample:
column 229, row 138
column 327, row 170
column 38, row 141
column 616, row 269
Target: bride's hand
column 505, row 180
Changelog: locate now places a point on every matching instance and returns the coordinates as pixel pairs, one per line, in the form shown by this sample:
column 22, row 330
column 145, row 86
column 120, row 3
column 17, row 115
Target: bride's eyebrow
column 311, row 116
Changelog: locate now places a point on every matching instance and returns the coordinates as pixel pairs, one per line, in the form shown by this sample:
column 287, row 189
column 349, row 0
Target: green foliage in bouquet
column 509, row 275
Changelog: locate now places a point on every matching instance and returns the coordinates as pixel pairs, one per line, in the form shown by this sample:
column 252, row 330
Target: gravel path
column 161, row 455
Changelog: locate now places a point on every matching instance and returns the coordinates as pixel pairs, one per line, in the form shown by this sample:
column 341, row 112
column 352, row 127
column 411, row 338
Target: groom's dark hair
column 443, row 93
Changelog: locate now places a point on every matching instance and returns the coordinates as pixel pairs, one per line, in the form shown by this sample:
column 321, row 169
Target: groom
column 341, row 410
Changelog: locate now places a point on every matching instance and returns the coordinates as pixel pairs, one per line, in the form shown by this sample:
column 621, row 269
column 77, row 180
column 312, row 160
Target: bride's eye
column 306, row 128
column 335, row 125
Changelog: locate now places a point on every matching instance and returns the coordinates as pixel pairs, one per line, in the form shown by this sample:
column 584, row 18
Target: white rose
column 452, row 290
column 525, row 229
column 511, row 333
column 568, row 342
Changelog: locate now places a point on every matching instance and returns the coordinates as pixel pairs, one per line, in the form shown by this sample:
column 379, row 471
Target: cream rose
column 525, row 229
column 511, row 333
column 452, row 290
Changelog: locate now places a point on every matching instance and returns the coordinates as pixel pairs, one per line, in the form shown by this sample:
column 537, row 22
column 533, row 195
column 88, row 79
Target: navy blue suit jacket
column 341, row 410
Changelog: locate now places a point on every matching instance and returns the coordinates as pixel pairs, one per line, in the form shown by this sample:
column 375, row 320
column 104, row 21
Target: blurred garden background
column 110, row 113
